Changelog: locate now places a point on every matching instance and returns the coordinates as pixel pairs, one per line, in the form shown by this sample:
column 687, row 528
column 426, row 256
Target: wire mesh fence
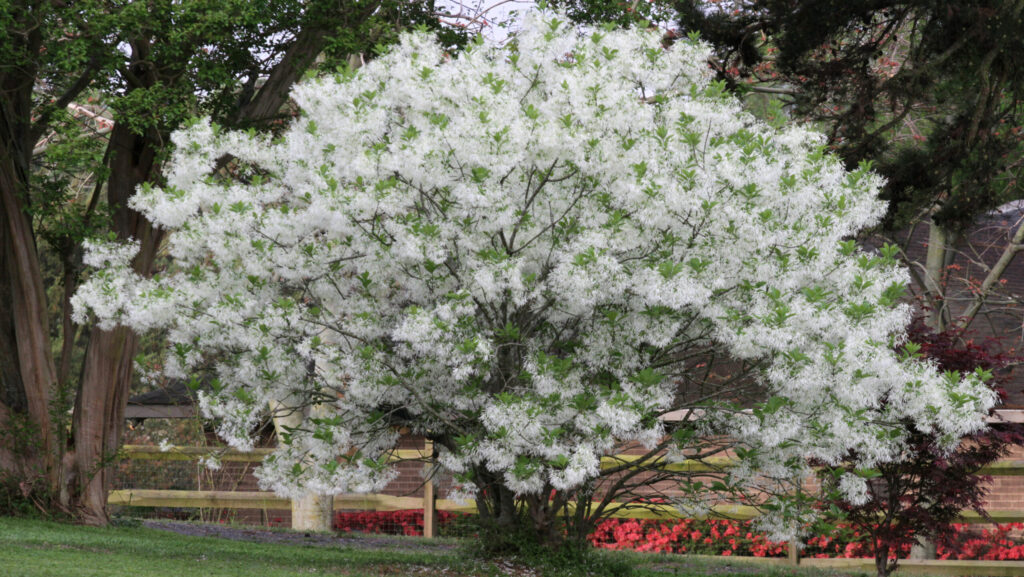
column 191, row 475
column 147, row 476
column 177, row 485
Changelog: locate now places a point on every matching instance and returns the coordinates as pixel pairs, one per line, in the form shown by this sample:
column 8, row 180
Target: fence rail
column 376, row 502
column 935, row 568
column 267, row 500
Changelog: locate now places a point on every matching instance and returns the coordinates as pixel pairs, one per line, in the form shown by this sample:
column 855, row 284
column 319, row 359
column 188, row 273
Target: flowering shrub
column 999, row 544
column 716, row 537
column 727, row 537
column 526, row 250
column 405, row 522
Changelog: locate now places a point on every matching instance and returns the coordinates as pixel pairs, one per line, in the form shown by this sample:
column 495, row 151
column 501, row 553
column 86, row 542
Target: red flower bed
column 404, row 522
column 723, row 537
column 1000, row 544
column 716, row 537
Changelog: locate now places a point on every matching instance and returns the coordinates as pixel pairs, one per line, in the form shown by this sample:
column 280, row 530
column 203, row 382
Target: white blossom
column 512, row 251
column 854, row 489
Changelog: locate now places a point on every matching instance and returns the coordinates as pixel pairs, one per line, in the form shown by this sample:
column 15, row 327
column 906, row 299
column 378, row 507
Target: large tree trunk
column 267, row 104
column 28, row 374
column 27, row 371
column 99, row 420
column 108, row 369
column 109, row 359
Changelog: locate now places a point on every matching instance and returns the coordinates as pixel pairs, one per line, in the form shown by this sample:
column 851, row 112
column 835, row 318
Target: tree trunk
column 936, row 260
column 109, row 359
column 267, row 104
column 940, row 255
column 544, row 518
column 99, row 419
column 310, row 512
column 27, row 371
column 883, row 565
column 924, row 549
column 500, row 522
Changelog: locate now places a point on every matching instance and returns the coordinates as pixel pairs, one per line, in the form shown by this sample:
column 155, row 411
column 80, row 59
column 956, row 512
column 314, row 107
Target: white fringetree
column 531, row 254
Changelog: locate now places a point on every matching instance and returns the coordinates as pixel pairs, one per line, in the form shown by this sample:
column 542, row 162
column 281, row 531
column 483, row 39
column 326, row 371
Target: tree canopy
column 929, row 89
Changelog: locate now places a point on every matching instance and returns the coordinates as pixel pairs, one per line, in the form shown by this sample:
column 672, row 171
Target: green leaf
column 647, row 377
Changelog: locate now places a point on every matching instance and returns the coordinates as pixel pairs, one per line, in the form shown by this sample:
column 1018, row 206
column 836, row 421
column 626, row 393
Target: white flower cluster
column 513, row 251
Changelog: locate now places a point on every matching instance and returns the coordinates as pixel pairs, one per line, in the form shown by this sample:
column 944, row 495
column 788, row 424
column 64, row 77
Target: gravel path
column 259, row 535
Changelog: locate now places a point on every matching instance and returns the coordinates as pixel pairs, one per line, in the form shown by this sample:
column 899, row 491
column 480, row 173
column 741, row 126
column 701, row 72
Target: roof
column 173, row 401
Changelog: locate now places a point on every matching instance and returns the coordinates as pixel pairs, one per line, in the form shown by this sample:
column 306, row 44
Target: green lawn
column 30, row 548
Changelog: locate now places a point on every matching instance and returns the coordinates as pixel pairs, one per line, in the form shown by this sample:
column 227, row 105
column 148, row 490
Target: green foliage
column 519, row 542
column 617, row 12
column 23, row 499
column 24, row 493
column 928, row 88
column 68, row 172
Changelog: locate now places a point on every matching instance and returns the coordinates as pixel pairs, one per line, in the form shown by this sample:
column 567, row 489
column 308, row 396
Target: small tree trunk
column 940, row 256
column 495, row 503
column 883, row 567
column 539, row 510
column 310, row 512
column 583, row 520
column 935, row 268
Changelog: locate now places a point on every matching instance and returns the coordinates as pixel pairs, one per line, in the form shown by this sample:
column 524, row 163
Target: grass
column 32, row 548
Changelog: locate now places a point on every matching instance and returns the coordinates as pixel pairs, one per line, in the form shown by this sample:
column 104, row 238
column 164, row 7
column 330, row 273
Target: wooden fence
column 430, row 504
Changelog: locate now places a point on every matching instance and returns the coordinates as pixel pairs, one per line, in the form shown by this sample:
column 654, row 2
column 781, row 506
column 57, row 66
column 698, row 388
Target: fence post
column 429, row 495
column 794, row 553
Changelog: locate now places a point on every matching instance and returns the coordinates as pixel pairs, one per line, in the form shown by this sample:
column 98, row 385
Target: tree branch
column 993, row 276
column 81, row 83
column 267, row 103
column 773, row 90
